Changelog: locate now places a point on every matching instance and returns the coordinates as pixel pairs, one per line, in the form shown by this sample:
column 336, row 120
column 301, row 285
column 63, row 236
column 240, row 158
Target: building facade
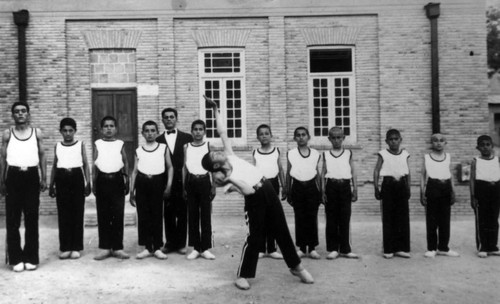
column 363, row 65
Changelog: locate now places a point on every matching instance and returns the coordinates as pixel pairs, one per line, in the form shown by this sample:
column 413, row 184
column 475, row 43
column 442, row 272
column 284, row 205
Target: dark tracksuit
column 70, row 200
column 200, row 208
column 269, row 241
column 149, row 198
column 265, row 204
column 395, row 214
column 487, row 211
column 437, row 214
column 338, row 215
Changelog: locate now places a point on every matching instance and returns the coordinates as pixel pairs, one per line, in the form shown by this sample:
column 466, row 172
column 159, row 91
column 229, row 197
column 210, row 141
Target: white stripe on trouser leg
column 247, row 222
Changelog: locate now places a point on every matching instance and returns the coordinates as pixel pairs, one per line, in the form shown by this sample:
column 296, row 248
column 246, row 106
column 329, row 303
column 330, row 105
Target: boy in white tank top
column 261, row 203
column 267, row 159
column 336, row 179
column 199, row 192
column 149, row 188
column 437, row 195
column 22, row 154
column 70, row 184
column 485, row 197
column 110, row 185
column 392, row 165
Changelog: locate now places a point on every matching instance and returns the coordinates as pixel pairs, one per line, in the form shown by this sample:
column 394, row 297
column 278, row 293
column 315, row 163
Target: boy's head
column 438, row 142
column 108, row 127
column 20, row 112
column 213, row 161
column 67, row 128
column 336, row 137
column 301, row 136
column 169, row 118
column 393, row 139
column 149, row 130
column 485, row 145
column 264, row 134
column 198, row 129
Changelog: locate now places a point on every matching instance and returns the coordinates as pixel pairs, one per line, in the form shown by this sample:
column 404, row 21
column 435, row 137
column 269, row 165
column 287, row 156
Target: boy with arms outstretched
column 149, row 188
column 261, row 201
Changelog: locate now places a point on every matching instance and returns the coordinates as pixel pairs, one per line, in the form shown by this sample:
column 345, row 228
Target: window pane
column 222, row 63
column 330, row 60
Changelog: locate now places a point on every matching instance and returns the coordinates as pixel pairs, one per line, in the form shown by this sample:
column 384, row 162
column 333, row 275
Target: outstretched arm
column 221, row 127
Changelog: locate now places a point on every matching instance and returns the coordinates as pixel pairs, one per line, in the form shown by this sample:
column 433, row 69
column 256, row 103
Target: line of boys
column 304, row 182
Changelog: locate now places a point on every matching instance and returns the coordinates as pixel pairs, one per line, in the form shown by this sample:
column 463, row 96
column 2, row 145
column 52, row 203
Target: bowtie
column 171, row 132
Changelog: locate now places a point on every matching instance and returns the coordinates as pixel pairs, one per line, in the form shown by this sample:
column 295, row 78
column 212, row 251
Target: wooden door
column 122, row 105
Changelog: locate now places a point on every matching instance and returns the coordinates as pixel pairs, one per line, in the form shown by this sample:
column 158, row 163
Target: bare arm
column 170, row 173
column 3, row 161
column 408, row 179
column 133, row 177
column 281, row 175
column 423, row 185
column 125, row 170
column 376, row 176
column 42, row 160
column 354, row 180
column 221, row 127
column 86, row 170
column 288, row 181
column 323, row 181
column 472, row 184
column 94, row 169
column 184, row 174
column 52, row 189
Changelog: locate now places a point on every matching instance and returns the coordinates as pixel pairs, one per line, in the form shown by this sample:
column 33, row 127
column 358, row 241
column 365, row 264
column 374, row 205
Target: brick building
column 364, row 65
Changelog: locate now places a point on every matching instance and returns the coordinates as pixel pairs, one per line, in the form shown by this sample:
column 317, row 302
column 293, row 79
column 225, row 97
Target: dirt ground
column 370, row 279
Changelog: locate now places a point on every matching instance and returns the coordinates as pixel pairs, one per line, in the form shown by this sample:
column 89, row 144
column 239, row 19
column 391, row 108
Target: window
column 222, row 79
column 332, row 91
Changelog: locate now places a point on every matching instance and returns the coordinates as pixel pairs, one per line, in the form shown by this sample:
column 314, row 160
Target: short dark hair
column 68, row 121
column 19, row 103
column 169, row 110
column 198, row 122
column 301, row 128
column 149, row 123
column 107, row 118
column 207, row 163
column 263, row 126
column 392, row 132
column 484, row 137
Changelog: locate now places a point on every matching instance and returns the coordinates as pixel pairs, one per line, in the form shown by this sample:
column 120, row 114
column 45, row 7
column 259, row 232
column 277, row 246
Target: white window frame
column 323, row 140
column 222, row 78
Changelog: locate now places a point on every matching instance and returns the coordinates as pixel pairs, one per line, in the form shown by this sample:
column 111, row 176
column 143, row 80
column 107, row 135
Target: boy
column 148, row 190
column 303, row 182
column 199, row 192
column 21, row 155
column 336, row 177
column 110, row 185
column 392, row 165
column 485, row 197
column 437, row 194
column 260, row 202
column 70, row 184
column 267, row 159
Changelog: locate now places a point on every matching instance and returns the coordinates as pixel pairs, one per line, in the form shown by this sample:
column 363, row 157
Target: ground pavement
column 370, row 279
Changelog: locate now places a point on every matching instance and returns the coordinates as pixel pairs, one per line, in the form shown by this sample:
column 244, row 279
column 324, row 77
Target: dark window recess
column 330, row 61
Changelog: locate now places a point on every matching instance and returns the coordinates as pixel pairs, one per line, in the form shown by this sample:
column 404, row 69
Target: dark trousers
column 395, row 215
column 488, row 196
column 269, row 241
column 149, row 198
column 200, row 212
column 23, row 198
column 70, row 199
column 110, row 204
column 338, row 215
column 175, row 217
column 437, row 214
column 265, row 204
column 306, row 200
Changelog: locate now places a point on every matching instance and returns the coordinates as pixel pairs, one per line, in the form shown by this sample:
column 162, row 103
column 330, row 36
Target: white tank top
column 22, row 152
column 109, row 155
column 303, row 167
column 487, row 169
column 244, row 171
column 69, row 156
column 338, row 167
column 438, row 169
column 267, row 162
column 394, row 165
column 194, row 154
column 151, row 162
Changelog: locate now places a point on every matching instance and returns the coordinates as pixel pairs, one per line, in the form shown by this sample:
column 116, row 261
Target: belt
column 259, row 185
column 69, row 170
column 109, row 175
column 487, row 182
column 23, row 169
column 149, row 176
column 394, row 178
column 198, row 176
column 437, row 180
column 304, row 183
column 338, row 180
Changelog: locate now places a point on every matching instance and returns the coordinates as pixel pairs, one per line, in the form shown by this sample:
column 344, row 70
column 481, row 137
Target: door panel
column 122, row 105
